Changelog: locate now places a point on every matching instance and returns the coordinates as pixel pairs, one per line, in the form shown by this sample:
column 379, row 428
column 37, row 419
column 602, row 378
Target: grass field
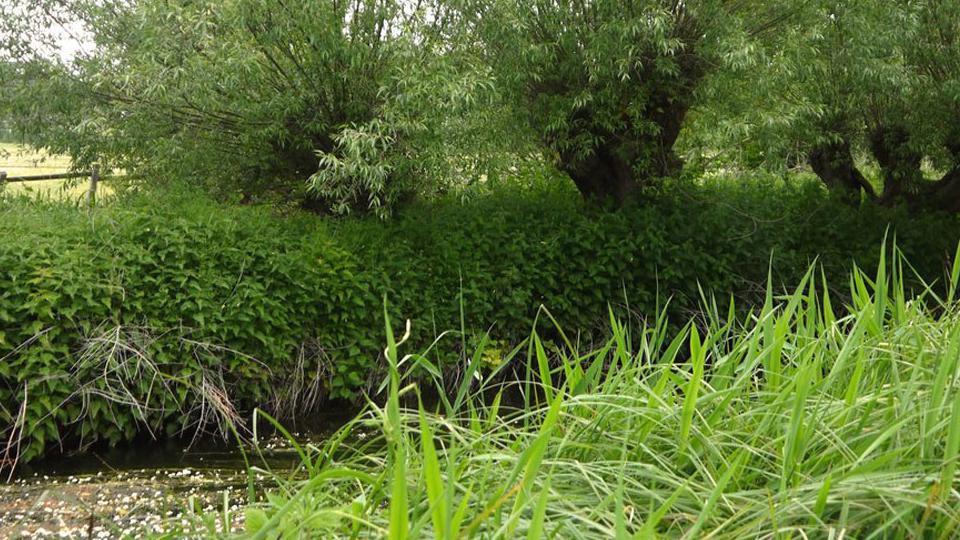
column 19, row 160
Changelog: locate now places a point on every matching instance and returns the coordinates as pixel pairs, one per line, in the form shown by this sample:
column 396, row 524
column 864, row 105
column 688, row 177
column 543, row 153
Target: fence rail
column 93, row 175
column 38, row 177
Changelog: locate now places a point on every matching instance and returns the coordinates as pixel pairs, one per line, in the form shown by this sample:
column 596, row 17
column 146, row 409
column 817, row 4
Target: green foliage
column 845, row 82
column 505, row 254
column 364, row 106
column 246, row 96
column 153, row 315
column 606, row 86
column 157, row 317
column 801, row 418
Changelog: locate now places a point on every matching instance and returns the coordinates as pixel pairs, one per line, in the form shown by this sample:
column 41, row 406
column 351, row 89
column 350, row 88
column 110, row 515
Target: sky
column 54, row 37
column 70, row 40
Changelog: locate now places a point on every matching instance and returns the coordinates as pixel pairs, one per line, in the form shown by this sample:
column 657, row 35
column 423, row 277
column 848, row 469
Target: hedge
column 156, row 317
column 507, row 253
column 175, row 307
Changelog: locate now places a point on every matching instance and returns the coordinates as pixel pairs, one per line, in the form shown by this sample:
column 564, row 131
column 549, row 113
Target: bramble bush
column 164, row 316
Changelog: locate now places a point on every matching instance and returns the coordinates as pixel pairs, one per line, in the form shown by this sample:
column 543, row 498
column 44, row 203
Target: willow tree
column 929, row 128
column 606, row 85
column 347, row 100
column 42, row 99
column 855, row 83
column 904, row 107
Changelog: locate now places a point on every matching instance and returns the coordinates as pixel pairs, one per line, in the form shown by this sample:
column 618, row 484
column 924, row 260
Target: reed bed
column 809, row 417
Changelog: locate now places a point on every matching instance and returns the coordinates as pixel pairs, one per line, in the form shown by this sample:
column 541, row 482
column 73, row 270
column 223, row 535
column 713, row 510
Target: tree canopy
column 852, row 83
column 360, row 105
column 346, row 100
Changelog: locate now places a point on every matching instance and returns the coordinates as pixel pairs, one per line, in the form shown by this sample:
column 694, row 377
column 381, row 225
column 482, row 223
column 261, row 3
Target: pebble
column 131, row 504
column 134, row 503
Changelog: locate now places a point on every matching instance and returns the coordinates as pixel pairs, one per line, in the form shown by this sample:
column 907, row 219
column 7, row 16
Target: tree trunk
column 606, row 175
column 899, row 163
column 624, row 162
column 833, row 164
column 943, row 194
column 668, row 113
column 948, row 191
column 903, row 177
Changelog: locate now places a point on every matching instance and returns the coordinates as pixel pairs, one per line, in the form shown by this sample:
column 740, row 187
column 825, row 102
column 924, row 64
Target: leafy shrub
column 507, row 253
column 152, row 317
column 158, row 316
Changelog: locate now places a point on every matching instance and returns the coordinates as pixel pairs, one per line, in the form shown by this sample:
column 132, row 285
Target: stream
column 144, row 487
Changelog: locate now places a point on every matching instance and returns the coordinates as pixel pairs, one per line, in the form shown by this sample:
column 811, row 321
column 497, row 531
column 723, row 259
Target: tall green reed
column 801, row 419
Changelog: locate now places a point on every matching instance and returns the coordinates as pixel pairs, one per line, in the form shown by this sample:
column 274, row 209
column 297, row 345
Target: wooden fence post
column 3, row 179
column 94, row 180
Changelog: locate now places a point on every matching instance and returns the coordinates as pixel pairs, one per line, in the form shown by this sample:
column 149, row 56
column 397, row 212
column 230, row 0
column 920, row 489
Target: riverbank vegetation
column 803, row 418
column 169, row 316
column 643, row 224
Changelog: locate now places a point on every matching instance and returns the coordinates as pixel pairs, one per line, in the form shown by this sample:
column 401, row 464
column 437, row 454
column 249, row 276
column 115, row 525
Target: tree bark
column 946, row 192
column 899, row 163
column 605, row 175
column 833, row 163
column 903, row 177
column 625, row 162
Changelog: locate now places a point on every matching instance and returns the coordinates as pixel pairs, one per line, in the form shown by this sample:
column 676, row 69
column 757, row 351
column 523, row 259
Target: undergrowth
column 163, row 314
column 804, row 419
